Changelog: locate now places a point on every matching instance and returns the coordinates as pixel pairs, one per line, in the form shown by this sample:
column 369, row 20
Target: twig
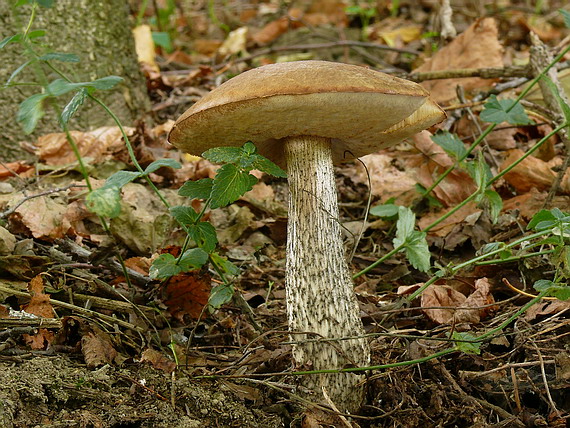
column 545, row 381
column 27, row 198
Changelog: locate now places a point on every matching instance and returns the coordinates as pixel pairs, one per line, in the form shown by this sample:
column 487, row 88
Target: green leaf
column 45, row 3
column 404, row 226
column 73, row 105
column 540, row 217
column 451, row 143
column 220, row 295
column 104, row 83
column 192, row 259
column 204, row 235
column 164, row 267
column 61, row 86
column 417, row 251
column 561, row 102
column 120, row 178
column 466, row 347
column 163, row 40
column 566, row 16
column 184, row 215
column 31, row 111
column 223, row 154
column 199, row 189
column 228, row 267
column 17, row 71
column 230, row 184
column 36, row 33
column 224, row 264
column 495, row 204
column 157, row 164
column 105, row 202
column 265, row 165
column 59, row 56
column 385, row 210
column 504, row 110
column 560, row 291
column 10, row 39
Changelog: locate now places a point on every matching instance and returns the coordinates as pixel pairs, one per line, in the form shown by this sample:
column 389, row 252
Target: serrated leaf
column 164, row 267
column 504, row 110
column 10, row 39
column 265, row 165
column 192, row 259
column 227, row 266
column 495, row 204
column 184, row 215
column 566, row 16
column 417, row 251
column 159, row 163
column 199, row 189
column 59, row 56
column 121, row 178
column 220, row 295
column 466, row 347
column 404, row 226
column 105, row 202
column 223, row 154
column 73, row 105
column 451, row 143
column 204, row 235
column 230, row 184
column 31, row 111
column 385, row 210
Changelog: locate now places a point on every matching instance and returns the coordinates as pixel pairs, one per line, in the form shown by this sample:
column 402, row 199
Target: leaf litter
column 112, row 343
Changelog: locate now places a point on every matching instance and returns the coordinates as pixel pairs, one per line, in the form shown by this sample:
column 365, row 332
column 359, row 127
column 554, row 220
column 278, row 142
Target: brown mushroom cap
column 360, row 109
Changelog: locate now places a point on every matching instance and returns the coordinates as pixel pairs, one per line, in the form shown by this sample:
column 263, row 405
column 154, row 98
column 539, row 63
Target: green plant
column 365, row 12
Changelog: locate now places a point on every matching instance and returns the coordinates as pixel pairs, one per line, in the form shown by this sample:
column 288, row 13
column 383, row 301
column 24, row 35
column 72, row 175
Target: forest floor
column 81, row 345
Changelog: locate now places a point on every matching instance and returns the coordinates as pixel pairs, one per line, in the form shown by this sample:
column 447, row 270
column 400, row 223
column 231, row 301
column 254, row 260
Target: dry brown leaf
column 546, row 308
column 477, row 47
column 40, row 306
column 44, row 217
column 186, row 294
column 4, row 311
column 445, row 227
column 442, row 295
column 278, row 27
column 20, row 168
column 530, row 173
column 158, row 360
column 532, row 202
column 97, row 349
column 456, row 187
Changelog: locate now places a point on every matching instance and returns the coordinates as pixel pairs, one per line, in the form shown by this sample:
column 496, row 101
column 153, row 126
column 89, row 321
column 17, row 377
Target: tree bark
column 320, row 295
column 100, row 33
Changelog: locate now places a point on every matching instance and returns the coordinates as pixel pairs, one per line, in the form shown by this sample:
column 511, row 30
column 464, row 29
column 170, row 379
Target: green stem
column 380, row 260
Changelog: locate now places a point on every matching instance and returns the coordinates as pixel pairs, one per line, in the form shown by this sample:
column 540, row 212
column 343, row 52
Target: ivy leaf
column 121, row 178
column 451, row 143
column 560, row 291
column 192, row 259
column 223, row 154
column 59, row 56
column 199, row 189
column 466, row 347
column 164, row 267
column 230, row 184
column 220, row 295
column 31, row 111
column 73, row 105
column 204, row 235
column 157, row 164
column 186, row 216
column 105, row 202
column 497, row 111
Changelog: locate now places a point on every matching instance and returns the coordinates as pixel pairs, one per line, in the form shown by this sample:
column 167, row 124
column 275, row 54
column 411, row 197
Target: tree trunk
column 320, row 295
column 99, row 33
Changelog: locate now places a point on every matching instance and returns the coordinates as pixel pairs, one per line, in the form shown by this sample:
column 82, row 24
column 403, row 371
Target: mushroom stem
column 320, row 295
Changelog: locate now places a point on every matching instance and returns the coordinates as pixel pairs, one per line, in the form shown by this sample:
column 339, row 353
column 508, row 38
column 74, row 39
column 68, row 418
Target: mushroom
column 305, row 116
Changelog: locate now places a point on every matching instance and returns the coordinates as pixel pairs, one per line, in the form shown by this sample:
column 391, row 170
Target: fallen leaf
column 477, row 47
column 530, row 173
column 235, row 43
column 40, row 306
column 278, row 27
column 442, row 295
column 546, row 308
column 43, row 216
column 144, row 46
column 12, row 169
column 97, row 348
column 186, row 294
column 158, row 360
